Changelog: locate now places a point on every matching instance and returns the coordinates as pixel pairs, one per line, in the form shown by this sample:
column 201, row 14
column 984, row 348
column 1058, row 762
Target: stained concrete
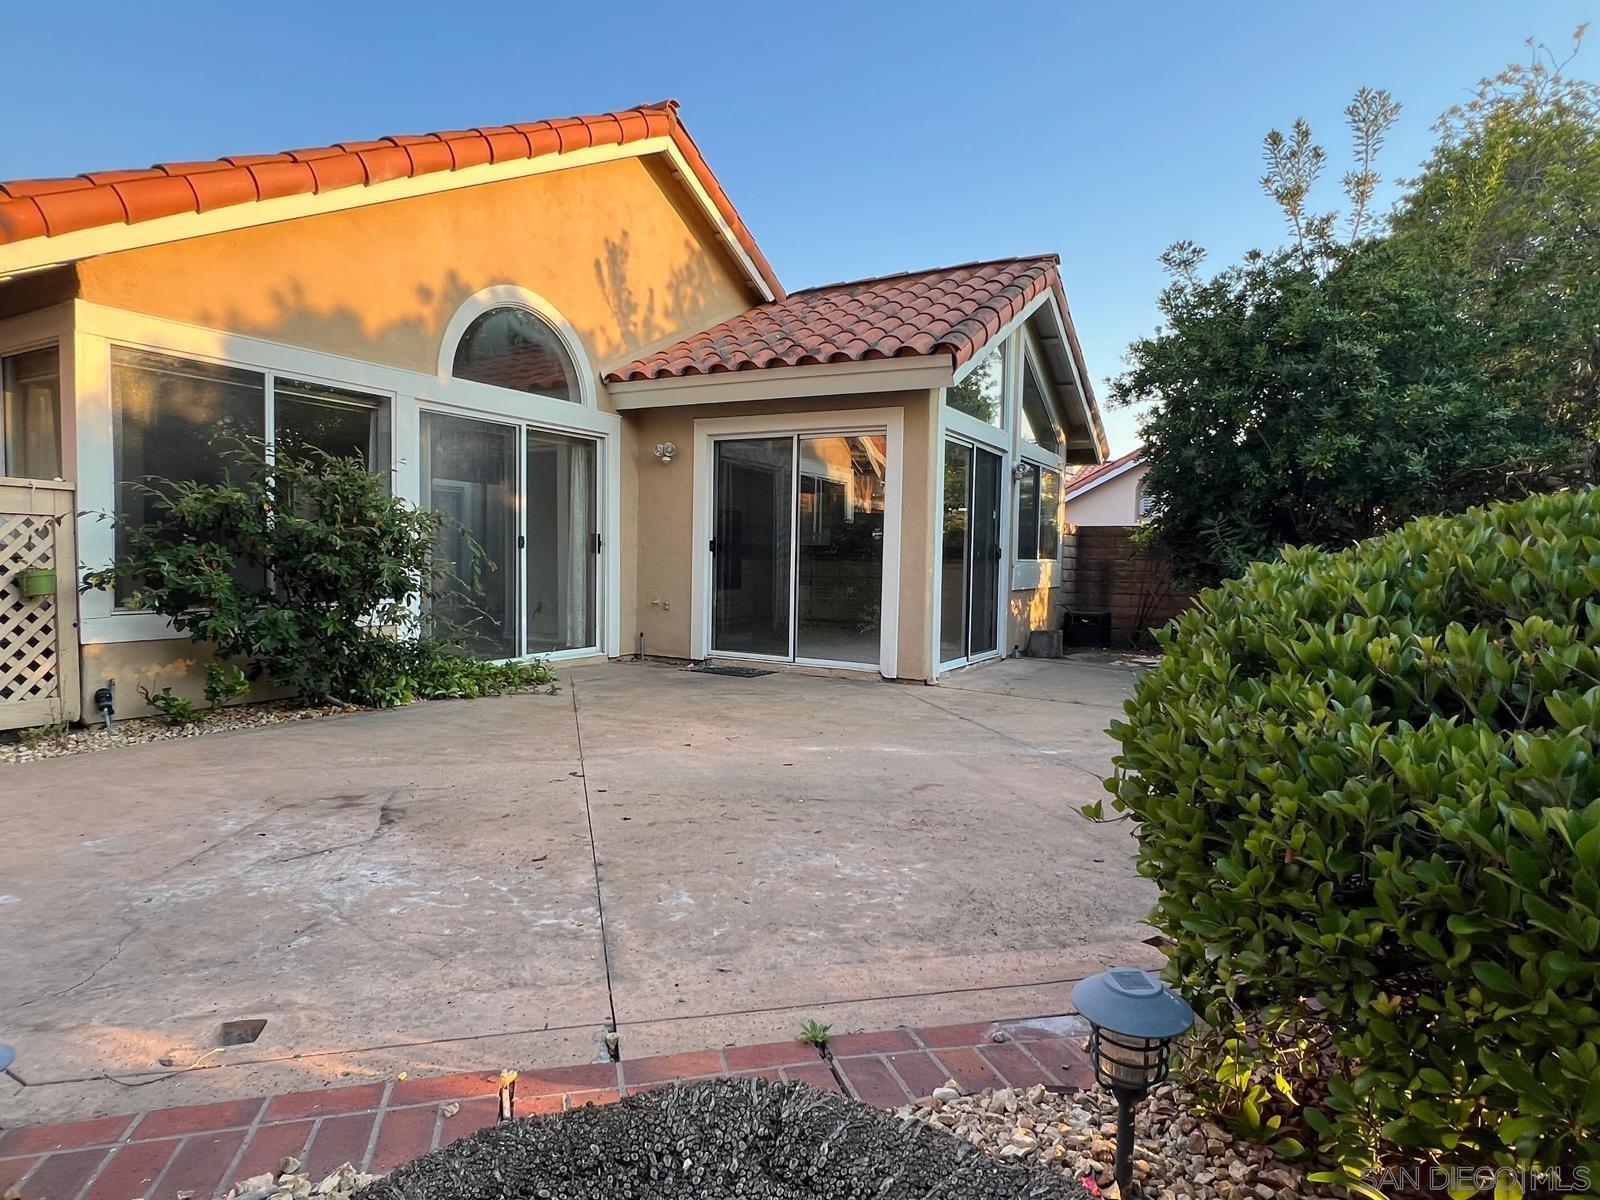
column 416, row 890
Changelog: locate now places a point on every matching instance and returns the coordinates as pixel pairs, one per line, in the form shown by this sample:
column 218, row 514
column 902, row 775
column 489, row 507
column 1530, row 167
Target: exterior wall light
column 1022, row 470
column 665, row 451
column 1133, row 1018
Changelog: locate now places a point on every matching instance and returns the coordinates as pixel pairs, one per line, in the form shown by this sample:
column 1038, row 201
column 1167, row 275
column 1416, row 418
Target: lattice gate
column 38, row 615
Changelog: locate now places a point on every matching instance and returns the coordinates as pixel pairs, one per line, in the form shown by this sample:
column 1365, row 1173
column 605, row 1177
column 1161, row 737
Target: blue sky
column 856, row 138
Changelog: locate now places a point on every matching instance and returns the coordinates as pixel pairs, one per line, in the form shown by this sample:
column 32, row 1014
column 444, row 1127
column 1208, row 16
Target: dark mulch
column 723, row 1138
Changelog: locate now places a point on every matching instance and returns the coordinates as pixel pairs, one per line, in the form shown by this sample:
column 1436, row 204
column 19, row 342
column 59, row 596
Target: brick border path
column 204, row 1148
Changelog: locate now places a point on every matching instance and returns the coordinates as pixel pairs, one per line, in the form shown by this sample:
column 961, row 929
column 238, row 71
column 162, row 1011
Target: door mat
column 734, row 672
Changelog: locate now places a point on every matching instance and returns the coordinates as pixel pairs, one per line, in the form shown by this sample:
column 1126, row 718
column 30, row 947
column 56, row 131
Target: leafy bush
column 175, row 709
column 424, row 669
column 1368, row 787
column 306, row 567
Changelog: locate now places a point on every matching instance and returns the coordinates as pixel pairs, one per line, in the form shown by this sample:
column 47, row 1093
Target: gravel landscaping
column 34, row 745
column 720, row 1138
column 1177, row 1156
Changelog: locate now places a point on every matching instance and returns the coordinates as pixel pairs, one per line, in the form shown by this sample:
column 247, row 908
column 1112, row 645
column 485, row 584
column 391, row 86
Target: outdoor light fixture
column 1022, row 470
column 665, row 451
column 1133, row 1018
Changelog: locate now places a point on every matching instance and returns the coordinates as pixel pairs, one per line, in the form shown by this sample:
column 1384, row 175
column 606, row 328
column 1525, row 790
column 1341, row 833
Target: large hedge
column 1367, row 786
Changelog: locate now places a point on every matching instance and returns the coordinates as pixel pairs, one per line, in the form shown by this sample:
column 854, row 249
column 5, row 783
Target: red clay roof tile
column 157, row 196
column 949, row 310
column 21, row 219
column 66, row 212
column 344, row 165
column 1092, row 476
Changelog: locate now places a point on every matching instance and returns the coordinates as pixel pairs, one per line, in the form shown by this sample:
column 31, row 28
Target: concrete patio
column 697, row 860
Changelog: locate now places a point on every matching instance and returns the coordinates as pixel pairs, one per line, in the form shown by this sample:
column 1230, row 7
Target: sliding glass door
column 797, row 549
column 519, row 545
column 563, row 543
column 972, row 557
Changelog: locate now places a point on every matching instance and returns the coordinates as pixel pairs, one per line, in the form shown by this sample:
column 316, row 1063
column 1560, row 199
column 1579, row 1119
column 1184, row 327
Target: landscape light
column 1133, row 1018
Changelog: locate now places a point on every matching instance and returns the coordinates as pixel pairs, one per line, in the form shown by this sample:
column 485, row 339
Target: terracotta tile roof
column 949, row 310
column 1093, row 476
column 36, row 208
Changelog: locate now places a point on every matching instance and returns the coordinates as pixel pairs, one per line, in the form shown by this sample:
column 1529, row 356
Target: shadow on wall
column 640, row 324
column 1035, row 608
column 411, row 341
column 633, row 318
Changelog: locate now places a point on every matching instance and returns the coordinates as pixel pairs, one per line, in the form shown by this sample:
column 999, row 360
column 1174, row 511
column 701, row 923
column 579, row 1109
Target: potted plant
column 38, row 581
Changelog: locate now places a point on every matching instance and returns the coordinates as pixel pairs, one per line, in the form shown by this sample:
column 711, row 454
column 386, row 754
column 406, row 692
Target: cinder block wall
column 1102, row 570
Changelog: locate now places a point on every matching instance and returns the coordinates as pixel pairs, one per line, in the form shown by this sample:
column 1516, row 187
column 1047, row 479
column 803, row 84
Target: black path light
column 1133, row 1017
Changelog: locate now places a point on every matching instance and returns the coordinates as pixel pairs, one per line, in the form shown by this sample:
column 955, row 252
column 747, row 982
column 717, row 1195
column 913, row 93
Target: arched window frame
column 511, row 296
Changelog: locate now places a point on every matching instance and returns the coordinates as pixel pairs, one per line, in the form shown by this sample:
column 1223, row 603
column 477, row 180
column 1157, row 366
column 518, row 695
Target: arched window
column 513, row 348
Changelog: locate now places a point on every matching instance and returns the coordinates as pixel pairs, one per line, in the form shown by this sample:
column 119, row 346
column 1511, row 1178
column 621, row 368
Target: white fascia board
column 783, row 383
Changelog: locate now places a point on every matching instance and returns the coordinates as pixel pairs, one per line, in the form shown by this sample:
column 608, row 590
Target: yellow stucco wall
column 610, row 245
column 662, row 562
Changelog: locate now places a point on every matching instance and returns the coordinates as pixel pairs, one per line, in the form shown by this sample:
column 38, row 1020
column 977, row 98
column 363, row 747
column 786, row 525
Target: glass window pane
column 342, row 423
column 469, row 473
column 561, row 555
column 754, row 502
column 1028, row 514
column 987, row 551
column 514, row 348
column 31, row 408
column 953, row 564
column 176, row 419
column 1037, row 427
column 841, row 547
column 1049, row 514
column 980, row 393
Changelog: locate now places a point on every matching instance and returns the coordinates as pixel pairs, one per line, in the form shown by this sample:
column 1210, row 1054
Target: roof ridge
column 48, row 208
column 1051, row 257
column 669, row 106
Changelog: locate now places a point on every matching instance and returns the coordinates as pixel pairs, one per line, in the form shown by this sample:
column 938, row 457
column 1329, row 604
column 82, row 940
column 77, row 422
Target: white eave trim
column 1106, row 478
column 107, row 239
column 919, row 373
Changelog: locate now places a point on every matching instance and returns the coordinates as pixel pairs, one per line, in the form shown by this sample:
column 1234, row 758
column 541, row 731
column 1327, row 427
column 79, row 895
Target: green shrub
column 307, row 568
column 174, row 709
column 425, row 669
column 1367, row 785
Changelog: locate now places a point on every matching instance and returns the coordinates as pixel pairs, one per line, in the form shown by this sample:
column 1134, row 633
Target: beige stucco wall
column 1030, row 609
column 662, row 562
column 611, row 245
column 1115, row 502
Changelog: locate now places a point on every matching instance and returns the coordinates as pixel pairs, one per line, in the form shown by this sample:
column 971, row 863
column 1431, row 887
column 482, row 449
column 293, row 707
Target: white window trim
column 511, row 296
column 888, row 421
column 1028, row 360
column 87, row 433
column 35, row 331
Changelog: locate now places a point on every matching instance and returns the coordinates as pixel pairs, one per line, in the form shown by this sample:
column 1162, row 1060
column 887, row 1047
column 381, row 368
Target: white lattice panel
column 30, row 626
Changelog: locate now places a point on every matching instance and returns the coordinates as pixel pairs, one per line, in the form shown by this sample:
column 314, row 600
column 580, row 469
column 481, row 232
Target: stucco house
column 563, row 335
column 1110, row 493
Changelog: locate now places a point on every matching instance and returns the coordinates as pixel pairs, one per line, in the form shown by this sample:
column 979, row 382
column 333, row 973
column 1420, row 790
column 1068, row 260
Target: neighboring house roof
column 948, row 310
column 1090, row 478
column 40, row 208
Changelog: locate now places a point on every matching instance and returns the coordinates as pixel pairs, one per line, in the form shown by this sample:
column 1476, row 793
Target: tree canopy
column 1436, row 357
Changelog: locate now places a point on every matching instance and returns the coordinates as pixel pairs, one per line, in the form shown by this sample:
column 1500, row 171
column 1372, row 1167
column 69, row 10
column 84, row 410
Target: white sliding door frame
column 890, row 422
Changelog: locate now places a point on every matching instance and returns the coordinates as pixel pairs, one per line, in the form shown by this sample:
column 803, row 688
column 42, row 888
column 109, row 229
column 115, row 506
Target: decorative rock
column 1177, row 1155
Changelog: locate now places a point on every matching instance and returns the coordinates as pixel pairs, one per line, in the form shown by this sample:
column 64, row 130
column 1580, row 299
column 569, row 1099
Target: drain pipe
column 103, row 702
